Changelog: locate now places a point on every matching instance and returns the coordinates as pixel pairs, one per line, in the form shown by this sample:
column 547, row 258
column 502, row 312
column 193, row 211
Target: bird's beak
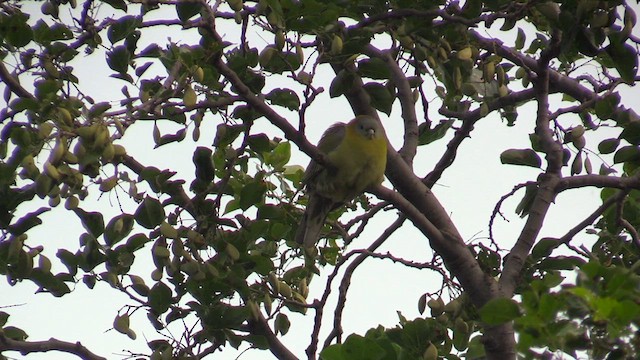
column 371, row 133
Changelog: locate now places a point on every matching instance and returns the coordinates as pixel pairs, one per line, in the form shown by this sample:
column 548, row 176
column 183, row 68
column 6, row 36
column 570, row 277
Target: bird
column 356, row 153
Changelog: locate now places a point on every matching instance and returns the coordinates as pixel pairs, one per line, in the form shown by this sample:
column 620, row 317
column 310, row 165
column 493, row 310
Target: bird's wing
column 330, row 140
column 332, row 137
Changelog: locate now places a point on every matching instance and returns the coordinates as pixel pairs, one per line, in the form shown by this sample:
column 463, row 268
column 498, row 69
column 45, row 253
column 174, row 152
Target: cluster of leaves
column 449, row 327
column 57, row 144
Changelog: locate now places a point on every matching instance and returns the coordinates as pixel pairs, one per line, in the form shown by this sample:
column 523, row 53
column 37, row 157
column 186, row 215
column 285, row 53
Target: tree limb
column 336, row 332
column 546, row 182
column 261, row 327
column 13, row 84
column 558, row 82
column 566, row 238
column 599, row 181
column 405, row 95
column 469, row 119
column 27, row 347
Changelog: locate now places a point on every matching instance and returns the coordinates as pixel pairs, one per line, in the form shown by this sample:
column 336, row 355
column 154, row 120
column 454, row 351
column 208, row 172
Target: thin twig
column 496, row 209
column 336, row 332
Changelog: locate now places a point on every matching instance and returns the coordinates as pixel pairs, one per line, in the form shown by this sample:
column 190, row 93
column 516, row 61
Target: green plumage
column 357, row 152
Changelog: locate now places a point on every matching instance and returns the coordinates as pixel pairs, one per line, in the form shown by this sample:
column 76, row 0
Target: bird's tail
column 313, row 220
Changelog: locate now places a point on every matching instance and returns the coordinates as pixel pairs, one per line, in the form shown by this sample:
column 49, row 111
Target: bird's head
column 367, row 126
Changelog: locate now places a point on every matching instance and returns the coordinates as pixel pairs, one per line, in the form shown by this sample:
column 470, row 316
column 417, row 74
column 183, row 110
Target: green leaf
column 544, row 248
column 269, row 211
column 150, row 213
column 118, row 228
column 252, row 194
column 14, row 333
column 535, row 142
column 246, row 113
column 46, row 88
column 520, row 39
column 226, row 134
column 561, row 263
column 355, row 347
column 21, row 104
column 3, row 318
column 98, row 109
column 92, row 221
column 475, row 350
column 259, row 143
column 499, row 311
column 27, row 222
column 47, row 281
column 122, row 28
column 625, row 58
column 427, row 135
column 40, row 32
column 606, row 106
column 282, row 324
column 284, row 97
column 117, row 4
column 381, row 98
column 280, row 156
column 233, row 204
column 15, row 29
column 607, row 146
column 280, row 62
column 160, row 298
column 374, row 68
column 136, row 242
column 118, row 59
column 204, row 164
column 626, row 154
column 525, row 157
column 631, row 123
column 69, row 260
column 341, row 83
column 171, row 138
column 187, row 9
column 174, row 114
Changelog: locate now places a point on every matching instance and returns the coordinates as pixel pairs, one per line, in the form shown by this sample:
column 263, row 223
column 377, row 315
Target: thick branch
column 261, row 327
column 547, row 181
column 405, row 95
column 600, row 181
column 442, row 233
column 27, row 347
column 12, row 83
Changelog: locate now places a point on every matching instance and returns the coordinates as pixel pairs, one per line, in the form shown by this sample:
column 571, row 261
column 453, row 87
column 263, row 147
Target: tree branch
column 405, row 95
column 546, row 182
column 442, row 233
column 336, row 332
column 599, row 181
column 558, row 82
column 469, row 119
column 566, row 238
column 261, row 327
column 13, row 84
column 27, row 347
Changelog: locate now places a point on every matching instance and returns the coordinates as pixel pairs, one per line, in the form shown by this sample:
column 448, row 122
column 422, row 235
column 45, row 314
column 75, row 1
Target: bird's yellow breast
column 360, row 162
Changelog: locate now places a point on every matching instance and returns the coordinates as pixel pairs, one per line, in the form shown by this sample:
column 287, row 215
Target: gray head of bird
column 368, row 126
